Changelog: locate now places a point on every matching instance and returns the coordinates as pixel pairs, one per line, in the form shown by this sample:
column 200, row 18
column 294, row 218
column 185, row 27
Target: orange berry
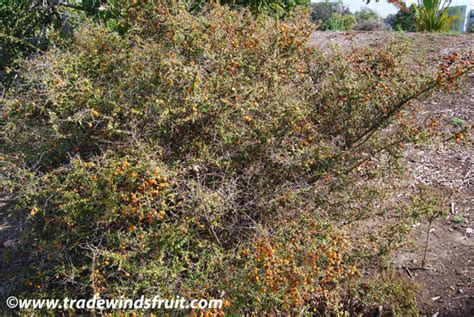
column 95, row 113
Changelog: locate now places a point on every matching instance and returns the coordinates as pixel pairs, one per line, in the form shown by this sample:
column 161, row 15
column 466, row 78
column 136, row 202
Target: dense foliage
column 272, row 7
column 339, row 22
column 366, row 14
column 430, row 15
column 333, row 16
column 324, row 10
column 433, row 16
column 368, row 20
column 212, row 154
column 403, row 20
column 26, row 26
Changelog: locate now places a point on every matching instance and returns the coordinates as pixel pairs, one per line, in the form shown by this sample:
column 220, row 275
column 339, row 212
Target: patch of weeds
column 458, row 219
column 397, row 295
column 456, row 121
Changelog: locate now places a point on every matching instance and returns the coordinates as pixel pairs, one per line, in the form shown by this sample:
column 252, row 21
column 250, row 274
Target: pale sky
column 383, row 7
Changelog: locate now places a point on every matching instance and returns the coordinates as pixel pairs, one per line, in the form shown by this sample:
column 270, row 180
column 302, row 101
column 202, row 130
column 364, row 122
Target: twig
column 408, row 271
column 428, row 231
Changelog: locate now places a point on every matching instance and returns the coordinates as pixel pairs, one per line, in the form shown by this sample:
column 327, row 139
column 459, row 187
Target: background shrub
column 369, row 26
column 340, row 23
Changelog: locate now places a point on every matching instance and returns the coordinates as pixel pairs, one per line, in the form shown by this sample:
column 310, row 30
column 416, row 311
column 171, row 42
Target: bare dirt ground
column 446, row 286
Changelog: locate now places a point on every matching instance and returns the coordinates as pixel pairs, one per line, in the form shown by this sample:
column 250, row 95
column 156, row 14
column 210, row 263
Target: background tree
column 368, row 20
column 323, row 11
column 367, row 14
column 433, row 16
column 25, row 26
column 332, row 16
column 403, row 20
column 339, row 22
column 22, row 30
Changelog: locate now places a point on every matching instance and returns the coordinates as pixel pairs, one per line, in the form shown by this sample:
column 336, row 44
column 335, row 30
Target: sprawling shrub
column 110, row 222
column 272, row 7
column 209, row 154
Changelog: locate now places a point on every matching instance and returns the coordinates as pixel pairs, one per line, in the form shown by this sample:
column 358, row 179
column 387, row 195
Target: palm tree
column 432, row 16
